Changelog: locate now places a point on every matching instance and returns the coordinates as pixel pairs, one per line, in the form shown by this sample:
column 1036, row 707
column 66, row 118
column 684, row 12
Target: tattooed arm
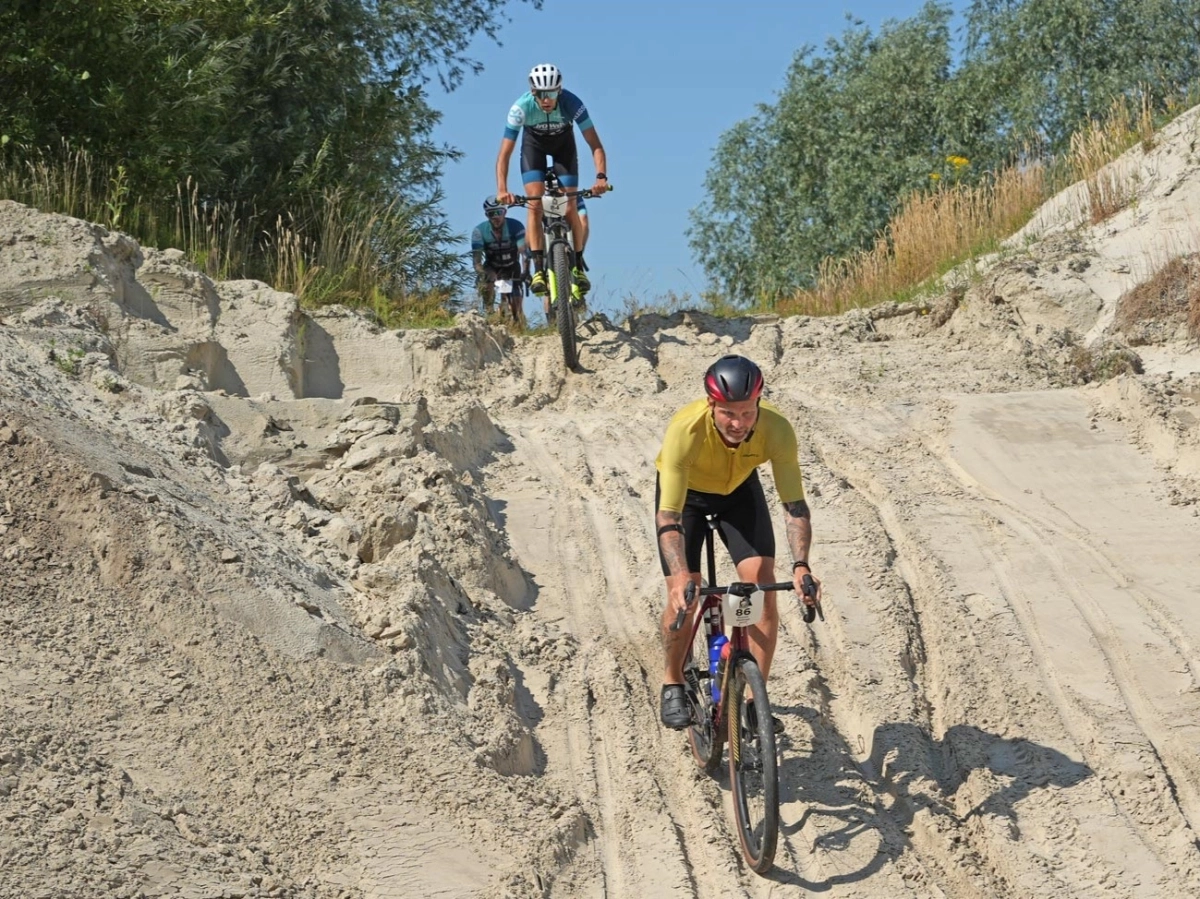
column 670, row 542
column 799, row 528
column 671, row 545
column 799, row 538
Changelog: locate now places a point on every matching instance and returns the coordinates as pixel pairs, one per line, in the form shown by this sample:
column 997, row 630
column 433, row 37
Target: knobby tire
column 753, row 772
column 560, row 265
column 706, row 741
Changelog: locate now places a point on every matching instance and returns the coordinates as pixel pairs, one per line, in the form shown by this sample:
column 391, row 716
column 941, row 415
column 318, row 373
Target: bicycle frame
column 558, row 242
column 711, row 614
column 556, row 230
column 555, row 227
column 559, row 247
column 510, row 299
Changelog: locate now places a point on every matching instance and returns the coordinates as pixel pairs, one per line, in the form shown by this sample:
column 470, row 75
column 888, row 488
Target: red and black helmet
column 732, row 379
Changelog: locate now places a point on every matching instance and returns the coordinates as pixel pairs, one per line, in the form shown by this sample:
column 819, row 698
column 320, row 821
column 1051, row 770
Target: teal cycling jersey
column 526, row 115
column 501, row 252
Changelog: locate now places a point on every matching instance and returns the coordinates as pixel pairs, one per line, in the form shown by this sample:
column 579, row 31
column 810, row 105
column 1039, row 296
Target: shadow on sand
column 906, row 772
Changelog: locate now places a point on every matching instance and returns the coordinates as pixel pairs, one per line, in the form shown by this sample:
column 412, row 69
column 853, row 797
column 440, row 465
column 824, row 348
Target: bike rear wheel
column 706, row 740
column 560, row 286
column 753, row 772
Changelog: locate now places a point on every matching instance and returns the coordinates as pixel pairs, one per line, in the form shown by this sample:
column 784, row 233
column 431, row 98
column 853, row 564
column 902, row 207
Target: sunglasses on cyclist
column 497, row 213
column 546, row 95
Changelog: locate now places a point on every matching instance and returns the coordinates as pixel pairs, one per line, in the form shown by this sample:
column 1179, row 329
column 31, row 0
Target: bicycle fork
column 725, row 708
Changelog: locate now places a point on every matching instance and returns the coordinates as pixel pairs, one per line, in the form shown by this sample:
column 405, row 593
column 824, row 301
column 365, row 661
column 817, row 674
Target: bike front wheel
column 753, row 770
column 560, row 285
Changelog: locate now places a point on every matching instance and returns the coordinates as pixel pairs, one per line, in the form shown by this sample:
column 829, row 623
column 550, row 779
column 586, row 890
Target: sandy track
column 655, row 811
column 385, row 621
column 1033, row 629
column 980, row 686
column 585, row 560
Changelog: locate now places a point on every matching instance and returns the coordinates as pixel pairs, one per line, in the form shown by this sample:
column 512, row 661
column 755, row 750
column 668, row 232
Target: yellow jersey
column 693, row 456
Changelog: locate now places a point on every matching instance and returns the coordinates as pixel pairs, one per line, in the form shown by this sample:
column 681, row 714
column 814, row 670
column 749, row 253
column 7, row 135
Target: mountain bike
column 560, row 261
column 510, row 300
column 718, row 673
column 503, row 291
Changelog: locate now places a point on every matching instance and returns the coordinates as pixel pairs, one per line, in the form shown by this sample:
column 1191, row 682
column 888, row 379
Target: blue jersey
column 526, row 114
column 503, row 252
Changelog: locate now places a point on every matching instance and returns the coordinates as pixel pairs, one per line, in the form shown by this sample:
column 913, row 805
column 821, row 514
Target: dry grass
column 667, row 304
column 932, row 232
column 1171, row 294
column 1093, row 148
column 1193, row 319
column 1101, row 362
column 62, row 183
column 213, row 236
column 937, row 229
column 353, row 261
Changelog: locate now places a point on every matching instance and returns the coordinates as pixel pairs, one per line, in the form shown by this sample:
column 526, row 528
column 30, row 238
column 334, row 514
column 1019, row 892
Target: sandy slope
column 293, row 606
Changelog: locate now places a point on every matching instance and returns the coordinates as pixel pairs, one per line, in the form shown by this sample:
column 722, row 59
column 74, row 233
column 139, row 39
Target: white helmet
column 545, row 77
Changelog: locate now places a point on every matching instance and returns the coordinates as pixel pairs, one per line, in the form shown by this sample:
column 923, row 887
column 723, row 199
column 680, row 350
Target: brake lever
column 809, row 586
column 689, row 596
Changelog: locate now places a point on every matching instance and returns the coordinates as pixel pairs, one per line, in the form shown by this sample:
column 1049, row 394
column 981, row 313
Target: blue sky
column 663, row 81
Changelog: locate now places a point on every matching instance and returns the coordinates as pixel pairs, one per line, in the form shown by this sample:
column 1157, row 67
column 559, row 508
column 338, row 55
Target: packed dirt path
column 296, row 606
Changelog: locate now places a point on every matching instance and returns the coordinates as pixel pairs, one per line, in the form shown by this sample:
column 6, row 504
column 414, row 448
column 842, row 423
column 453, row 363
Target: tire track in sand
column 610, row 741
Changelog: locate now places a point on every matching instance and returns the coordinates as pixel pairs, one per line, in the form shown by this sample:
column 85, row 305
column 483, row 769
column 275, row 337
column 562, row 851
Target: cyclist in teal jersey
column 498, row 251
column 545, row 117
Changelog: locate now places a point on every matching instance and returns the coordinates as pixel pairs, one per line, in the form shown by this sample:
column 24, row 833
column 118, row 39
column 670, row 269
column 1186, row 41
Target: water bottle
column 717, row 651
column 721, row 670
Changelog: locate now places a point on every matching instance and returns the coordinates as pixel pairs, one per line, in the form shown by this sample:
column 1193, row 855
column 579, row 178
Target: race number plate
column 556, row 205
column 743, row 611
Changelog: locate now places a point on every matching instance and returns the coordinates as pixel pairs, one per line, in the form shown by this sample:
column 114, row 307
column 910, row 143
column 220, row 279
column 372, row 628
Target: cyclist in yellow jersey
column 709, row 464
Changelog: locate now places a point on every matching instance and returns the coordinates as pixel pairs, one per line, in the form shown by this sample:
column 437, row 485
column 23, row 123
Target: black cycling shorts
column 744, row 523
column 562, row 153
column 492, row 272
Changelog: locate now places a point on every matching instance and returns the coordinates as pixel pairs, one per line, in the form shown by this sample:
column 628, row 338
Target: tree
column 1047, row 66
column 266, row 105
column 859, row 127
column 820, row 171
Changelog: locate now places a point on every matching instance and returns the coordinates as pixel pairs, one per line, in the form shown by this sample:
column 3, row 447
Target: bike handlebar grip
column 689, row 596
column 809, row 586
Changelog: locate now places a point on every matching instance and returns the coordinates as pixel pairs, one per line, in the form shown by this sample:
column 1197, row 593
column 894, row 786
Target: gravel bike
column 727, row 696
column 560, row 260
